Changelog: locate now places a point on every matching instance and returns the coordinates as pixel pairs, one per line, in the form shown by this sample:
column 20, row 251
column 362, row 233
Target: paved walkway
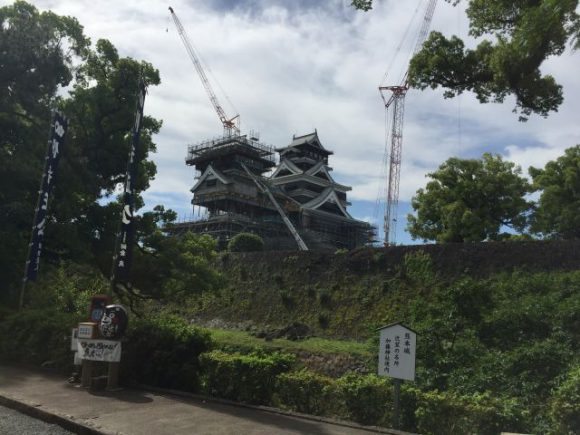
column 133, row 412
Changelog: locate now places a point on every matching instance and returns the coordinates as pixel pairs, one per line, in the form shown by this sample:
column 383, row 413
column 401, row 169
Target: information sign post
column 397, row 346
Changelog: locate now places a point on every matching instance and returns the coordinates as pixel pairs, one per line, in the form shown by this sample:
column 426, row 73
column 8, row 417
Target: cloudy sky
column 292, row 66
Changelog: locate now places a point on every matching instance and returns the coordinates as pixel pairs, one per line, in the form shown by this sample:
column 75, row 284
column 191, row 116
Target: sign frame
column 397, row 351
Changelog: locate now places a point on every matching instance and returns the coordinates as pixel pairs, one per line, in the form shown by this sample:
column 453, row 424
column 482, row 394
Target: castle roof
column 308, row 140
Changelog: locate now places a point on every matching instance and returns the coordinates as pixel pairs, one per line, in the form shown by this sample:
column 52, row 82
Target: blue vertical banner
column 58, row 129
column 124, row 248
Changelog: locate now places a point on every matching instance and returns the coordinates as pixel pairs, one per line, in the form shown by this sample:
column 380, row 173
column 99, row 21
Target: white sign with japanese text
column 397, row 345
column 99, row 350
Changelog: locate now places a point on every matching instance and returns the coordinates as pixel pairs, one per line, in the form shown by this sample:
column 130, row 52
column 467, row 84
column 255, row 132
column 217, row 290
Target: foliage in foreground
column 167, row 352
column 494, row 353
column 164, row 351
column 47, row 62
column 176, row 266
column 246, row 378
column 522, row 35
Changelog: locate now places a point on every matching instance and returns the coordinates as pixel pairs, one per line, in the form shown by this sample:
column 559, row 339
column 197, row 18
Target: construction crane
column 231, row 125
column 396, row 100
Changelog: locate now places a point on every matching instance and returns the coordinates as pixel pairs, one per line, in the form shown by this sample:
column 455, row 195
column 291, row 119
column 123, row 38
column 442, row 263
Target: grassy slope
column 242, row 339
column 513, row 333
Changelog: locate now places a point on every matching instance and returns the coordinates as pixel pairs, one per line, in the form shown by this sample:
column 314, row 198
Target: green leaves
column 41, row 53
column 469, row 201
column 557, row 213
column 524, row 34
column 175, row 267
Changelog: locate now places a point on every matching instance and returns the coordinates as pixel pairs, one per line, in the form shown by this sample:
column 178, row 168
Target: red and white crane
column 395, row 99
column 231, row 125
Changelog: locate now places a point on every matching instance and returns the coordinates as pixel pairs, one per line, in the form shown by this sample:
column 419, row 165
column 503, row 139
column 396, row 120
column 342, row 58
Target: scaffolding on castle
column 233, row 185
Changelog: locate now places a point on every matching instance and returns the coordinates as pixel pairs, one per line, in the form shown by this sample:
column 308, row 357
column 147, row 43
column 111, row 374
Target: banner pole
column 122, row 254
column 45, row 186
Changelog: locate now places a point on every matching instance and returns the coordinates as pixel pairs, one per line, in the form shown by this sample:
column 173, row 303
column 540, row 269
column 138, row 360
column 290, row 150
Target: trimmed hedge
column 367, row 399
column 307, row 392
column 245, row 378
column 164, row 351
column 447, row 413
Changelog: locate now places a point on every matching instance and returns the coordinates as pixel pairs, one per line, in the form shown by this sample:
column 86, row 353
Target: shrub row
column 166, row 351
column 367, row 399
column 246, row 378
column 267, row 379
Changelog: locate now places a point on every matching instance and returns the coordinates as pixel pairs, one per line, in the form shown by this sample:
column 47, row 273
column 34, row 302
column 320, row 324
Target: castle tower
column 304, row 175
column 223, row 185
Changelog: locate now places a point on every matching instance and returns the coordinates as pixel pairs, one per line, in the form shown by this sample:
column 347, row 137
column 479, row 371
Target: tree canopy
column 42, row 53
column 522, row 35
column 557, row 214
column 470, row 200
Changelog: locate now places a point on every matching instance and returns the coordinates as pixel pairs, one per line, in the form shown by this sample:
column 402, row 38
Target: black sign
column 114, row 322
column 125, row 247
column 98, row 304
column 56, row 140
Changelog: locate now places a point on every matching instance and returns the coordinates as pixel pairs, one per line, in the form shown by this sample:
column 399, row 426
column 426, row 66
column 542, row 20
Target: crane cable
column 382, row 187
column 208, row 69
column 398, row 49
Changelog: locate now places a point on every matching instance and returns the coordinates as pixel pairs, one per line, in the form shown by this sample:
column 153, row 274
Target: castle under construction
column 294, row 204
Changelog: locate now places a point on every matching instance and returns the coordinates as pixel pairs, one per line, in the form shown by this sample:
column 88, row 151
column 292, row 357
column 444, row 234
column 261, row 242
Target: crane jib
column 231, row 124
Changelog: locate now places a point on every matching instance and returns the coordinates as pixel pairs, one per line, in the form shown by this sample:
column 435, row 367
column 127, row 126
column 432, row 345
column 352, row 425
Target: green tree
column 42, row 53
column 470, row 200
column 557, row 214
column 39, row 51
column 246, row 242
column 174, row 267
column 101, row 113
column 522, row 35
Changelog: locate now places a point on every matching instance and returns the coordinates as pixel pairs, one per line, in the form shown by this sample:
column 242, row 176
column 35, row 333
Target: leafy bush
column 323, row 320
column 177, row 267
column 307, row 392
column 325, row 298
column 287, row 299
column 366, row 398
column 164, row 351
column 38, row 336
column 67, row 288
column 246, row 378
column 418, row 268
column 246, row 242
column 446, row 413
column 565, row 405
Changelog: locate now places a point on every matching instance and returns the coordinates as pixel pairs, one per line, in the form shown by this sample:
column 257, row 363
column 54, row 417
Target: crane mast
column 396, row 100
column 231, row 125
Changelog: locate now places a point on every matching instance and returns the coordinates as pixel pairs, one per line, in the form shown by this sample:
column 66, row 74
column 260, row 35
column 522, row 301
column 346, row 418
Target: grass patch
column 242, row 339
